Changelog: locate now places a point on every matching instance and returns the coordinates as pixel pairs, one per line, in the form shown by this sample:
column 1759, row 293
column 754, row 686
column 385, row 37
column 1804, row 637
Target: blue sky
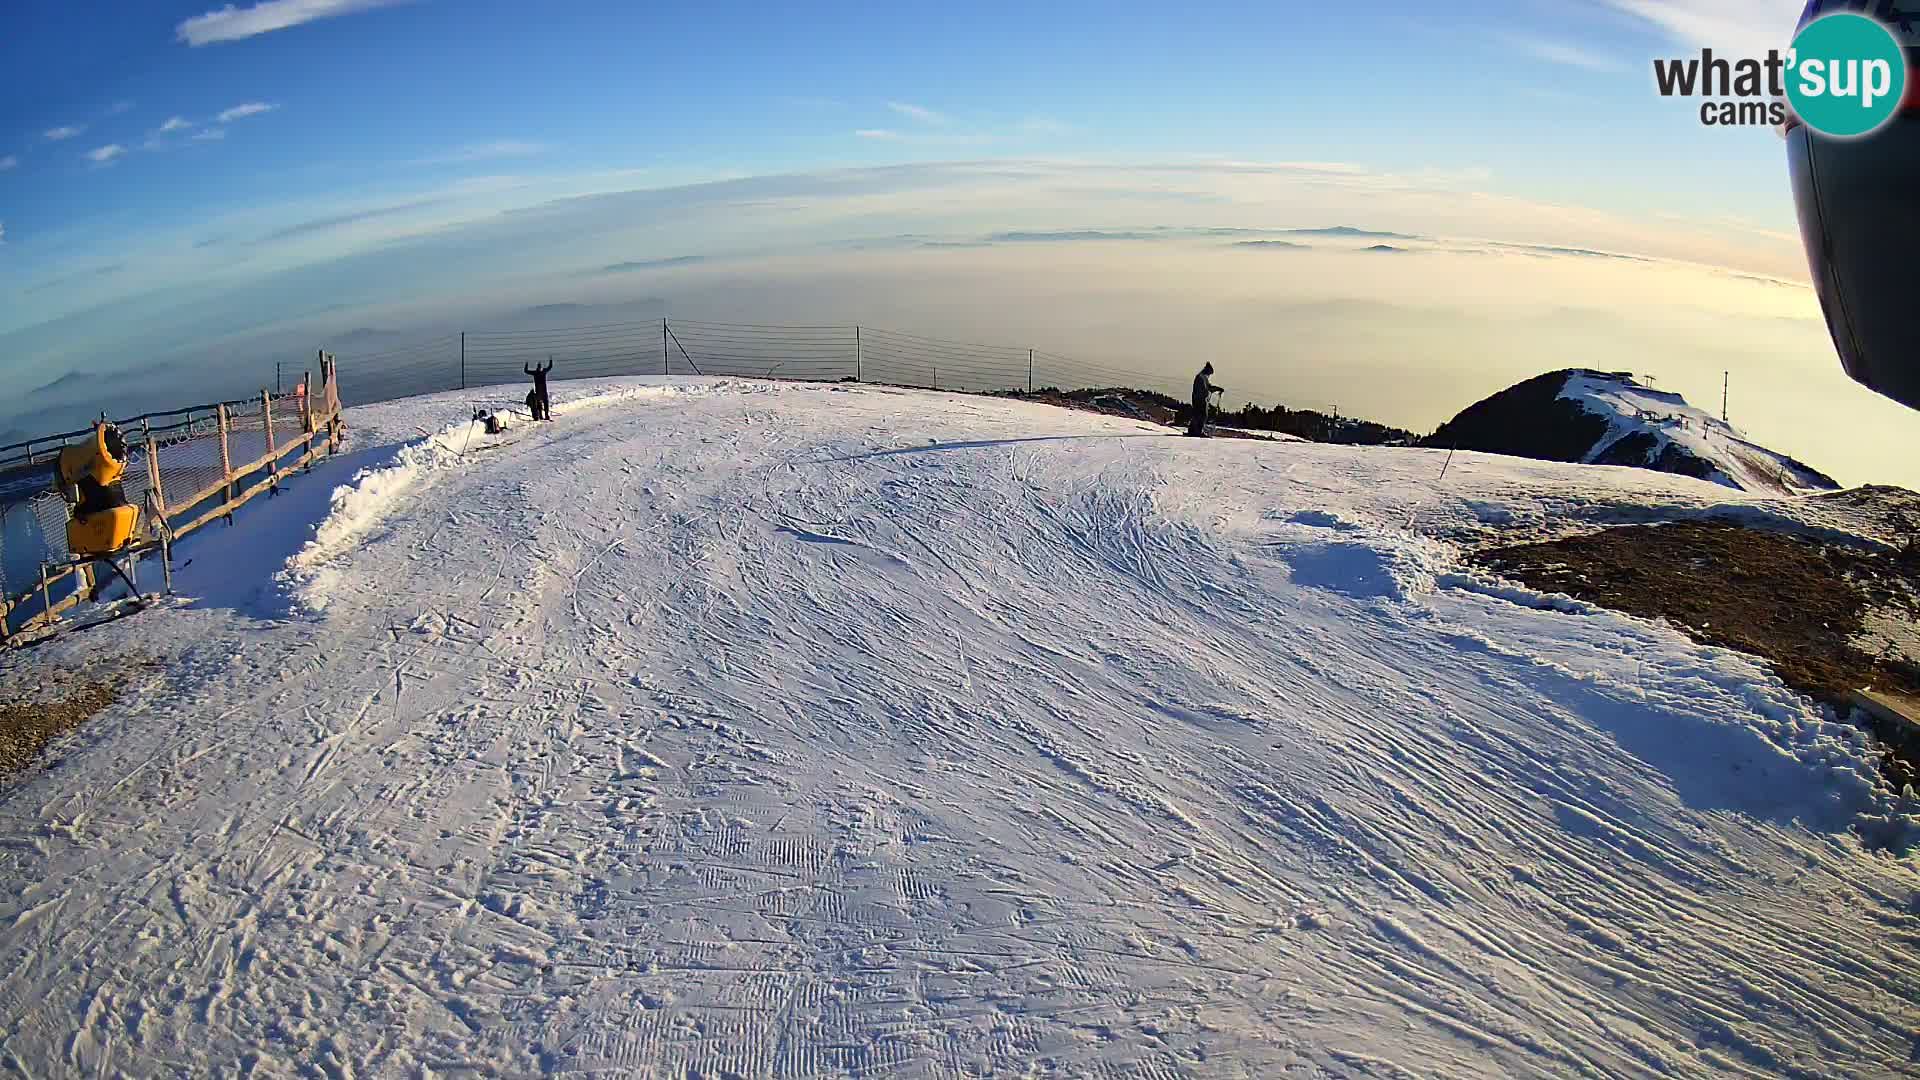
column 184, row 187
column 1546, row 100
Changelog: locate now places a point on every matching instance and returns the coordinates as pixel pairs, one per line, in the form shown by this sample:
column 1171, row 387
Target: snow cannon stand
column 103, row 525
column 88, row 474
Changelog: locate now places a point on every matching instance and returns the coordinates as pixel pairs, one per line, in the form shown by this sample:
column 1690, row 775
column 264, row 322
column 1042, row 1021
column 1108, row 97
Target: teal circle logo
column 1846, row 75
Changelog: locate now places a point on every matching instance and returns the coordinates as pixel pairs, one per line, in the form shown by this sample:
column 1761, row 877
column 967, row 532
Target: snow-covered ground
column 1665, row 421
column 731, row 728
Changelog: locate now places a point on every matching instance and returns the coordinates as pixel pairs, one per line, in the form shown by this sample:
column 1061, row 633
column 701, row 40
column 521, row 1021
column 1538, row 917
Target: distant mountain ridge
column 1611, row 418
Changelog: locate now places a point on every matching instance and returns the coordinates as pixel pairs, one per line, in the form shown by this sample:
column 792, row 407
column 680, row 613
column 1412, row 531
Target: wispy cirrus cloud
column 918, row 113
column 236, row 24
column 336, row 221
column 923, row 138
column 104, row 155
column 175, row 123
column 64, row 132
column 491, row 150
column 93, row 272
column 1749, row 26
column 241, row 112
column 1564, row 53
column 209, row 135
column 945, row 135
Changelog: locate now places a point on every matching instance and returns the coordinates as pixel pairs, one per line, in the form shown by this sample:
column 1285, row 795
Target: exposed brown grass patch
column 27, row 727
column 1799, row 604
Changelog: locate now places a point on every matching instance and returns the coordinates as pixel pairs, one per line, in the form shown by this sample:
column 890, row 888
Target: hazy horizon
column 1155, row 195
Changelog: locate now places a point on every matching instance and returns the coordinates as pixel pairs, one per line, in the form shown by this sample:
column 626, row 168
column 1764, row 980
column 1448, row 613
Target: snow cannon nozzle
column 89, row 476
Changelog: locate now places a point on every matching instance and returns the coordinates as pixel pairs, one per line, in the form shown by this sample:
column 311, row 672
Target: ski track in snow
column 726, row 728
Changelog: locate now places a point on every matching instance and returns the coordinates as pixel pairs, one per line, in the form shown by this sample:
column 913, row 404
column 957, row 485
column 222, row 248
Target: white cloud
column 61, row 133
column 104, row 154
column 234, row 24
column 3, row 232
column 1746, row 27
column 926, row 138
column 120, row 107
column 175, row 123
column 241, row 112
column 209, row 135
column 10, row 161
column 917, row 113
column 1564, row 53
column 485, row 151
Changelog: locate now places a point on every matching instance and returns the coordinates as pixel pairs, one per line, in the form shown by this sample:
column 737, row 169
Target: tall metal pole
column 856, row 354
column 1029, row 371
column 463, row 359
column 663, row 347
column 1726, row 383
column 277, row 388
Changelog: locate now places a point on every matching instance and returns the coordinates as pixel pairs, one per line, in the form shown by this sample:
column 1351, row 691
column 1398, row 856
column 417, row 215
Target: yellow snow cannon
column 89, row 477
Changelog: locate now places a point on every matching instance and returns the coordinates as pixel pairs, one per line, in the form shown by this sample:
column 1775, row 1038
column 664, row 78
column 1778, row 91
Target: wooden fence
column 260, row 442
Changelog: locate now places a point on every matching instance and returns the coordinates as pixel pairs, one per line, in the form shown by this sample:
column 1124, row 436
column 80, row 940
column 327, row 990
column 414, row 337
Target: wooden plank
column 255, row 465
column 300, row 455
column 52, row 615
column 219, row 486
column 50, row 610
column 226, row 508
column 1900, row 714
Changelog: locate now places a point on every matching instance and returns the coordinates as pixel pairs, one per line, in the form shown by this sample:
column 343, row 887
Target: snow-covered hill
column 724, row 728
column 1610, row 418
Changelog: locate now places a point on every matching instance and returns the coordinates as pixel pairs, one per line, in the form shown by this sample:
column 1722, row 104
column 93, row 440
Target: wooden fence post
column 226, row 453
column 153, row 481
column 330, row 369
column 273, row 450
column 306, row 417
column 165, row 534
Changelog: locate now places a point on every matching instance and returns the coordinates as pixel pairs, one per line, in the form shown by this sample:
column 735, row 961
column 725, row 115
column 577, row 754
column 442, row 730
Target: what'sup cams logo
column 1850, row 68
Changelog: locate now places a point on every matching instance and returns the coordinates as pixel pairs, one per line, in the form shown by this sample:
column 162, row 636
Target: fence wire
column 33, row 517
column 814, row 353
column 187, row 447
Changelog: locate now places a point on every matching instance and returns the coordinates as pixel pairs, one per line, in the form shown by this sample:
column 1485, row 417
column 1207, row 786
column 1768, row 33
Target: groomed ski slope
column 745, row 729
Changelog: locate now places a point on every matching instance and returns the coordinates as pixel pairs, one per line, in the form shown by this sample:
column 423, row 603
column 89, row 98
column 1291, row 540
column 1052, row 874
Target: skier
column 1203, row 391
column 538, row 403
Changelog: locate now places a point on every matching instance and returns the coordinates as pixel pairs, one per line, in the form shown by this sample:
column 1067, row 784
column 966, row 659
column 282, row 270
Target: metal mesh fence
column 200, row 464
column 188, row 442
column 829, row 353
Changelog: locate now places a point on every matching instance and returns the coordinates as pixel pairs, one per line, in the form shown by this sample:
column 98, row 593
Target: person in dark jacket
column 1203, row 391
column 538, row 403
